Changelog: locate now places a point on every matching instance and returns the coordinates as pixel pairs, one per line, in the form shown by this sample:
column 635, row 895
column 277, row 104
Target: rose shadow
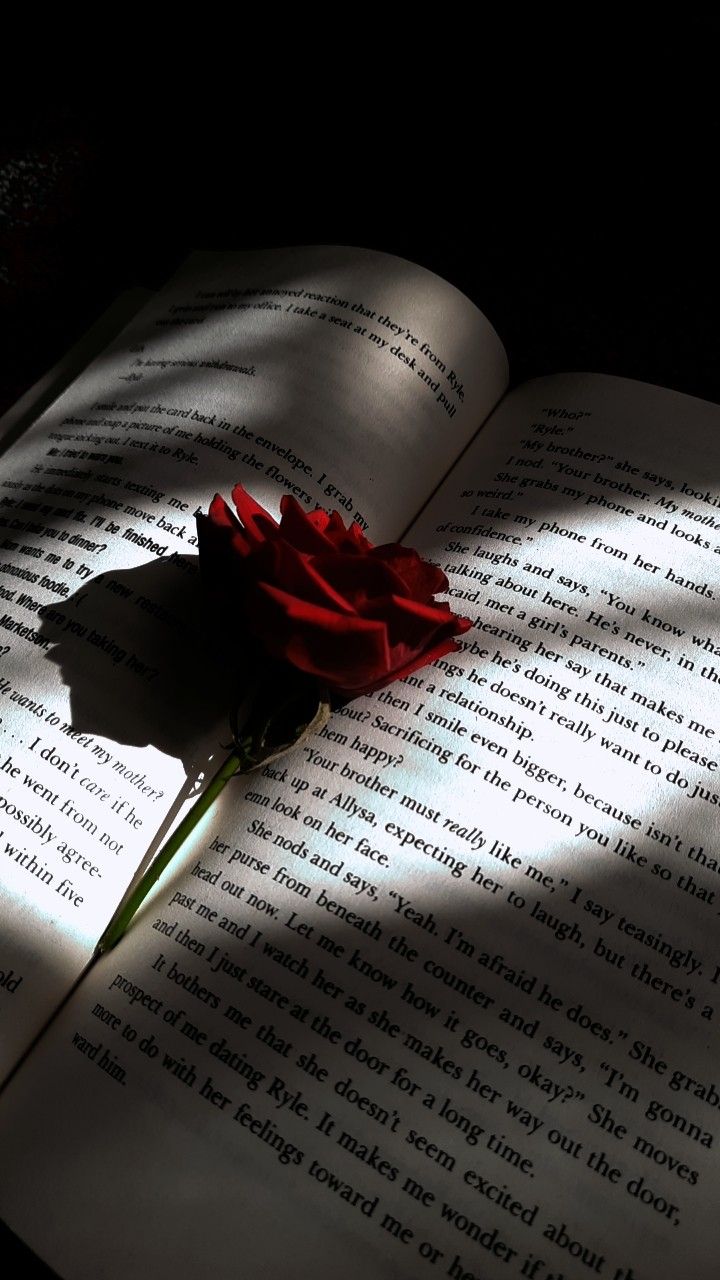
column 146, row 664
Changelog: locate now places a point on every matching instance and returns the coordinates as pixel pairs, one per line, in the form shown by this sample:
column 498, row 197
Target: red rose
column 322, row 597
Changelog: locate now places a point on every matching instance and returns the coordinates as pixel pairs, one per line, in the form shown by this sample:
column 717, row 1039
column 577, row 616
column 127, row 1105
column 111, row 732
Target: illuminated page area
column 339, row 376
column 581, row 534
column 437, row 992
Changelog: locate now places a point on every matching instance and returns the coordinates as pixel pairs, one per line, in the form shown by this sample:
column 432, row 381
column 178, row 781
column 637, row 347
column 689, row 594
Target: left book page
column 347, row 378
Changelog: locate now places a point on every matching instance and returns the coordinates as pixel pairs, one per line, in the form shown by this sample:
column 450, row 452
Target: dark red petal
column 343, row 651
column 221, row 519
column 358, row 578
column 418, row 634
column 413, row 625
column 257, row 523
column 220, row 514
column 358, row 539
column 336, row 528
column 422, row 580
column 413, row 664
column 350, row 540
column 282, row 565
column 303, row 532
column 220, row 537
column 318, row 518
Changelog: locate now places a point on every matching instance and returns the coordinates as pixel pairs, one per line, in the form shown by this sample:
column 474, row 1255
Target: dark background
column 563, row 176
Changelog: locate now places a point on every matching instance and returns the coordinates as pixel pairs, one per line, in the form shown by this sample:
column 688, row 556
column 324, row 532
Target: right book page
column 439, row 993
column 581, row 532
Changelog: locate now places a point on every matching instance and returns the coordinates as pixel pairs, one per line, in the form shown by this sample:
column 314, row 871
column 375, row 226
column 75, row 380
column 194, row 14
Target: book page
column 437, row 993
column 339, row 376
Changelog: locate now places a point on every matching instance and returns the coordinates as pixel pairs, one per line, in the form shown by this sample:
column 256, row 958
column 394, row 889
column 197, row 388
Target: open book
column 438, row 993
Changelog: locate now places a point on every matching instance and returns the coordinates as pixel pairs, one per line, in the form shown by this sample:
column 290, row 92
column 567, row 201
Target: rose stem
column 137, row 893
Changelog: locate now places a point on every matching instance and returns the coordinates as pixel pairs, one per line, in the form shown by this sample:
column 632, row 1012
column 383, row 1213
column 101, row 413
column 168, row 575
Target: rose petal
column 413, row 664
column 321, row 597
column 257, row 523
column 219, row 535
column 421, row 579
column 349, row 540
column 300, row 531
column 319, row 518
column 299, row 575
column 344, row 651
column 358, row 578
column 416, row 625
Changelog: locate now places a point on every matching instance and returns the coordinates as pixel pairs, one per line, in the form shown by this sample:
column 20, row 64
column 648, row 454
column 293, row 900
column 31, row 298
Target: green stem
column 137, row 893
column 283, row 707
